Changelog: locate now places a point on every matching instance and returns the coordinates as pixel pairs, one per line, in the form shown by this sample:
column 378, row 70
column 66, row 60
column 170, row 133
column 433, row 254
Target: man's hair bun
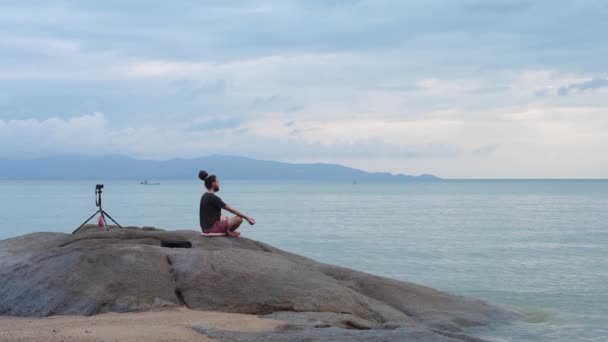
column 202, row 174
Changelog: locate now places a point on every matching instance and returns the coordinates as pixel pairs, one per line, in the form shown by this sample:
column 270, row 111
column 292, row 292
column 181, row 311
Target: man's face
column 216, row 185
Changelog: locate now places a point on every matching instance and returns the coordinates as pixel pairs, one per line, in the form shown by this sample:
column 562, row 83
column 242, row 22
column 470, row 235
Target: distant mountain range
column 226, row 167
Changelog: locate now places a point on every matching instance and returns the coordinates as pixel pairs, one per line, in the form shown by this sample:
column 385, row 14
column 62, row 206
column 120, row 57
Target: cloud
column 34, row 138
column 592, row 84
column 527, row 142
column 94, row 134
column 485, row 150
column 215, row 124
column 390, row 84
column 499, row 7
column 157, row 68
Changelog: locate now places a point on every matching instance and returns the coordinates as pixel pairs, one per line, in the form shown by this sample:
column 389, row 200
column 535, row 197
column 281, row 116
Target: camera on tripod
column 102, row 213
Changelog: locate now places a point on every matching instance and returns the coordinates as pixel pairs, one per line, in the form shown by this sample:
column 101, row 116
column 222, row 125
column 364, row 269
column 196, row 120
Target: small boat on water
column 145, row 182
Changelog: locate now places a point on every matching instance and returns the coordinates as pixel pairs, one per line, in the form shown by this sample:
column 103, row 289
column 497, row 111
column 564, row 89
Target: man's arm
column 239, row 214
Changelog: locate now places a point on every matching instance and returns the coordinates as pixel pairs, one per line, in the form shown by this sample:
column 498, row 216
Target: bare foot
column 234, row 234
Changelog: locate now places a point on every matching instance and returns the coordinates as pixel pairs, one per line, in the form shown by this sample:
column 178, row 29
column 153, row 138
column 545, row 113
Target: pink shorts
column 218, row 228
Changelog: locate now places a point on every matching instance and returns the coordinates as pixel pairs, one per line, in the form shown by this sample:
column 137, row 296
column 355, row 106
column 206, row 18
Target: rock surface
column 95, row 271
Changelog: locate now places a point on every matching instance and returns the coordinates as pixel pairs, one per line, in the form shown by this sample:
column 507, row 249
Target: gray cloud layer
column 436, row 81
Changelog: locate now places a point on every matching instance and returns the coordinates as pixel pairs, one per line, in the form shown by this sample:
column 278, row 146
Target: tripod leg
column 104, row 212
column 85, row 222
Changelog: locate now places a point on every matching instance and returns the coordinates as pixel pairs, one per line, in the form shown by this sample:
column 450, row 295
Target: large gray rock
column 96, row 271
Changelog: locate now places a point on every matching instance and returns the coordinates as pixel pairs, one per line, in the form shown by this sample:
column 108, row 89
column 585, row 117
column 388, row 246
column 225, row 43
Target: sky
column 458, row 89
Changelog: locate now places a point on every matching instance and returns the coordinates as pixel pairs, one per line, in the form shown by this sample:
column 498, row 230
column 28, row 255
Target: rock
column 303, row 320
column 96, row 271
column 333, row 334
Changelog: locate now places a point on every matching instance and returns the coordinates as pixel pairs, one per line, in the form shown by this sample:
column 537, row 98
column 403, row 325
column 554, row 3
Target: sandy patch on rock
column 166, row 325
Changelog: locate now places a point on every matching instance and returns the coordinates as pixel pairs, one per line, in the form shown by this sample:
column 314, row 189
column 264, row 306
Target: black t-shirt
column 210, row 210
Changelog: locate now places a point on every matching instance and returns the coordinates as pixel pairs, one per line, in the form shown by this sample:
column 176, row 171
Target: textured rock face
column 96, row 271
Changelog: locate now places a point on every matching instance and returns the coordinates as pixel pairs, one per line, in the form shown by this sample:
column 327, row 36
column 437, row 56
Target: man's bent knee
column 234, row 223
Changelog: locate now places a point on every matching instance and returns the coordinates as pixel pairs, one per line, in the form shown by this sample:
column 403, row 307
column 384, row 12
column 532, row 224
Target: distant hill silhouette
column 227, row 167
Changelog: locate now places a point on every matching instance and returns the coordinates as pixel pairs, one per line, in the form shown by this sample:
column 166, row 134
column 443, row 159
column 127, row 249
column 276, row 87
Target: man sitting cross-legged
column 213, row 223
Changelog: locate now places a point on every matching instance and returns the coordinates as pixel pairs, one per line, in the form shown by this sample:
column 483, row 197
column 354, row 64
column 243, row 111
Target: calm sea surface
column 539, row 247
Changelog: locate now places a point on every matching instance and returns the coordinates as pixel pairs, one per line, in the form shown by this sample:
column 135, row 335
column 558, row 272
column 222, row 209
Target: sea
column 539, row 247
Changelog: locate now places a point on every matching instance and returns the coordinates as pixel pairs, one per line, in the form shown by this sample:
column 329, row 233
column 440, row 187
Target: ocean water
column 538, row 247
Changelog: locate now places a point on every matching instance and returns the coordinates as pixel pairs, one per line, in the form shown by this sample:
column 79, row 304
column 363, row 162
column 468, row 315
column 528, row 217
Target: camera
column 102, row 213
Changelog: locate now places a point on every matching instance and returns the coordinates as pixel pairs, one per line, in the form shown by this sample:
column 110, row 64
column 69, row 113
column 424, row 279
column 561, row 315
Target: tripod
column 100, row 211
